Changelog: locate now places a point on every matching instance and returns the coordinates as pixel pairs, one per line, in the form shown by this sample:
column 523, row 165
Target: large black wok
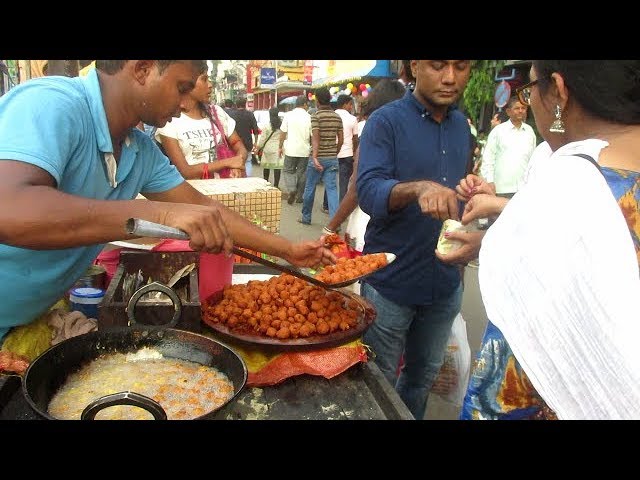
column 49, row 371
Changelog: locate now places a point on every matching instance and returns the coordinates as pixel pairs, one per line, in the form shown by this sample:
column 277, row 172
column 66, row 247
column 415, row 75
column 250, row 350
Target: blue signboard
column 267, row 76
column 503, row 92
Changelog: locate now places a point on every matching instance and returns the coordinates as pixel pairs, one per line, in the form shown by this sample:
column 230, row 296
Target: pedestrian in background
column 295, row 144
column 326, row 141
column 190, row 140
column 228, row 105
column 267, row 148
column 350, row 135
column 509, row 147
column 247, row 128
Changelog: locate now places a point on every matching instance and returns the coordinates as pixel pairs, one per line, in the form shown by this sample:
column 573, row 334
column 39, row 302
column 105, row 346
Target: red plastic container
column 109, row 260
column 214, row 270
column 214, row 274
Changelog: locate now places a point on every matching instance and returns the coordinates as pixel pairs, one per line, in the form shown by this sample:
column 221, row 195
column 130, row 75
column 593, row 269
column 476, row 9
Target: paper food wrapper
column 446, row 245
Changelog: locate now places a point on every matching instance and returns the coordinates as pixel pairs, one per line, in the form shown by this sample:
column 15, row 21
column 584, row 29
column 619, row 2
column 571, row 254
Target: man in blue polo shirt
column 413, row 153
column 71, row 164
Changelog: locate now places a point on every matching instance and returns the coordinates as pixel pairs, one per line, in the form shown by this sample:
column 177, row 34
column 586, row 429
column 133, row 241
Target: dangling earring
column 557, row 126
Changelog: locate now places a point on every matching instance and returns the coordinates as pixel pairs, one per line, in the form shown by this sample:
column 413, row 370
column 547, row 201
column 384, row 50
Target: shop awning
column 288, row 101
column 381, row 69
column 283, row 86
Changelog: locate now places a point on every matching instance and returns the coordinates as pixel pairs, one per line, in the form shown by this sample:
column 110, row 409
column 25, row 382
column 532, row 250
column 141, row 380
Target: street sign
column 267, row 77
column 502, row 95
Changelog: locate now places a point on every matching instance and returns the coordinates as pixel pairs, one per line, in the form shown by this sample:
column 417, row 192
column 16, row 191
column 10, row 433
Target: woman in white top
column 190, row 141
column 559, row 269
column 272, row 158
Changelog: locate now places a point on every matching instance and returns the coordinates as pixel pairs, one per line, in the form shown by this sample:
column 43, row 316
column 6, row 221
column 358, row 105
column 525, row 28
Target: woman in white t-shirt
column 190, row 141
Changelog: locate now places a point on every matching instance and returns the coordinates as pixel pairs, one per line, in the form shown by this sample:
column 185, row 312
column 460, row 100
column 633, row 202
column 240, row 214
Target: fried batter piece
column 283, row 307
column 12, row 362
column 349, row 268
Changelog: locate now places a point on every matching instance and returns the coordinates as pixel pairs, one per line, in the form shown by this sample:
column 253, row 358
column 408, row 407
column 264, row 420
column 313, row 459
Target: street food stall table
column 359, row 393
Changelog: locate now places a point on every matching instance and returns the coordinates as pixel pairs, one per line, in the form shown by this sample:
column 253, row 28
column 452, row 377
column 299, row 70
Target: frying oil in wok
column 184, row 389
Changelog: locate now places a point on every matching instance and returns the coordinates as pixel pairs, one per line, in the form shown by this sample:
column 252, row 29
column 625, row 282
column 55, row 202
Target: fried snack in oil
column 349, row 268
column 282, row 307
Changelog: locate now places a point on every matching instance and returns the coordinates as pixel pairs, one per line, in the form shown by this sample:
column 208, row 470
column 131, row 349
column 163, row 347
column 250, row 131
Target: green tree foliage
column 481, row 86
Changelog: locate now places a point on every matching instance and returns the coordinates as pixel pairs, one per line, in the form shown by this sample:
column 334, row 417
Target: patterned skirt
column 498, row 388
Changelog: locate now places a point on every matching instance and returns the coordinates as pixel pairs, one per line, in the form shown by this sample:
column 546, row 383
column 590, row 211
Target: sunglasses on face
column 524, row 93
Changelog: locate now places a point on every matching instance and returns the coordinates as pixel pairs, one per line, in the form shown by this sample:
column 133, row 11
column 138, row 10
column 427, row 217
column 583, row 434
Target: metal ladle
column 144, row 228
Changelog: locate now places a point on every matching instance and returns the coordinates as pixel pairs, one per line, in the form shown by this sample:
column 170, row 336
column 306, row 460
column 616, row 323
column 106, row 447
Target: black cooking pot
column 48, row 372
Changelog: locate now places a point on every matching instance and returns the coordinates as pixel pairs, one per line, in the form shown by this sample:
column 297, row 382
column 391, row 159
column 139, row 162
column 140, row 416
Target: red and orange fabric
column 267, row 368
column 339, row 247
column 272, row 368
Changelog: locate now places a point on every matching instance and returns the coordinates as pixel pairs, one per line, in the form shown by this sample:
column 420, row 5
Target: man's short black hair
column 512, row 101
column 323, row 97
column 343, row 100
column 111, row 67
column 301, row 101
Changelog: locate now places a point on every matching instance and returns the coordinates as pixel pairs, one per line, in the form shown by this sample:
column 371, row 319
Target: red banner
column 308, row 72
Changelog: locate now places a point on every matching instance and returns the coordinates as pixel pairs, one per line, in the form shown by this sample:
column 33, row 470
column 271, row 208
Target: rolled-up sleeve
column 376, row 166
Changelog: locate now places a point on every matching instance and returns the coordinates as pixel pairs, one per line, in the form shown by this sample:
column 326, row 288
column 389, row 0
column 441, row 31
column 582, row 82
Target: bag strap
column 268, row 138
column 590, row 159
column 212, row 109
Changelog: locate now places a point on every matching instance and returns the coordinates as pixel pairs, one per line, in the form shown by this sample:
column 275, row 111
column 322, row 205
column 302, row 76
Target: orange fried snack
column 334, row 238
column 349, row 268
column 337, row 245
column 282, row 307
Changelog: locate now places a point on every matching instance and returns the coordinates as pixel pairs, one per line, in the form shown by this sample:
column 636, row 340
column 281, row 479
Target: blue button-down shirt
column 401, row 142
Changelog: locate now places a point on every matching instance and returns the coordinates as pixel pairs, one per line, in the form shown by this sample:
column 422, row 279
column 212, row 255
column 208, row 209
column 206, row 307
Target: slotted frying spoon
column 144, row 228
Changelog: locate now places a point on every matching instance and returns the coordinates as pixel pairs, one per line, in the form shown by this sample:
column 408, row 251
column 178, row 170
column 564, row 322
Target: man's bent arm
column 253, row 237
column 37, row 215
column 404, row 193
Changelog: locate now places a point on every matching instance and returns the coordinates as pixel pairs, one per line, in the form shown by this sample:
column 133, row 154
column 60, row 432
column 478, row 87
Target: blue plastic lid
column 87, row 292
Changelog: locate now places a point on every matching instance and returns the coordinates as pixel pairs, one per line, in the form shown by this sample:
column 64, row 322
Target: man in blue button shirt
column 71, row 165
column 413, row 153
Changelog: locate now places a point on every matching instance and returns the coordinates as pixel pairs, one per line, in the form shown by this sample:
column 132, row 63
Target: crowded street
column 319, row 239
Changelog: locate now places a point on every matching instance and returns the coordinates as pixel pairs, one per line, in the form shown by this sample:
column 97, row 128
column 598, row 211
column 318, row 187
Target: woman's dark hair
column 385, row 91
column 607, row 89
column 274, row 119
column 111, row 67
column 407, row 71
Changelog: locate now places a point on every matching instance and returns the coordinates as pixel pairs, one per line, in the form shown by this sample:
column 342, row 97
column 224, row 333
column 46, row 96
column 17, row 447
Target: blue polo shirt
column 402, row 143
column 59, row 124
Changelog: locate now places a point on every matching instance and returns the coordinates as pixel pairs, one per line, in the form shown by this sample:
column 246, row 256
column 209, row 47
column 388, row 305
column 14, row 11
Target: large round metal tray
column 366, row 316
